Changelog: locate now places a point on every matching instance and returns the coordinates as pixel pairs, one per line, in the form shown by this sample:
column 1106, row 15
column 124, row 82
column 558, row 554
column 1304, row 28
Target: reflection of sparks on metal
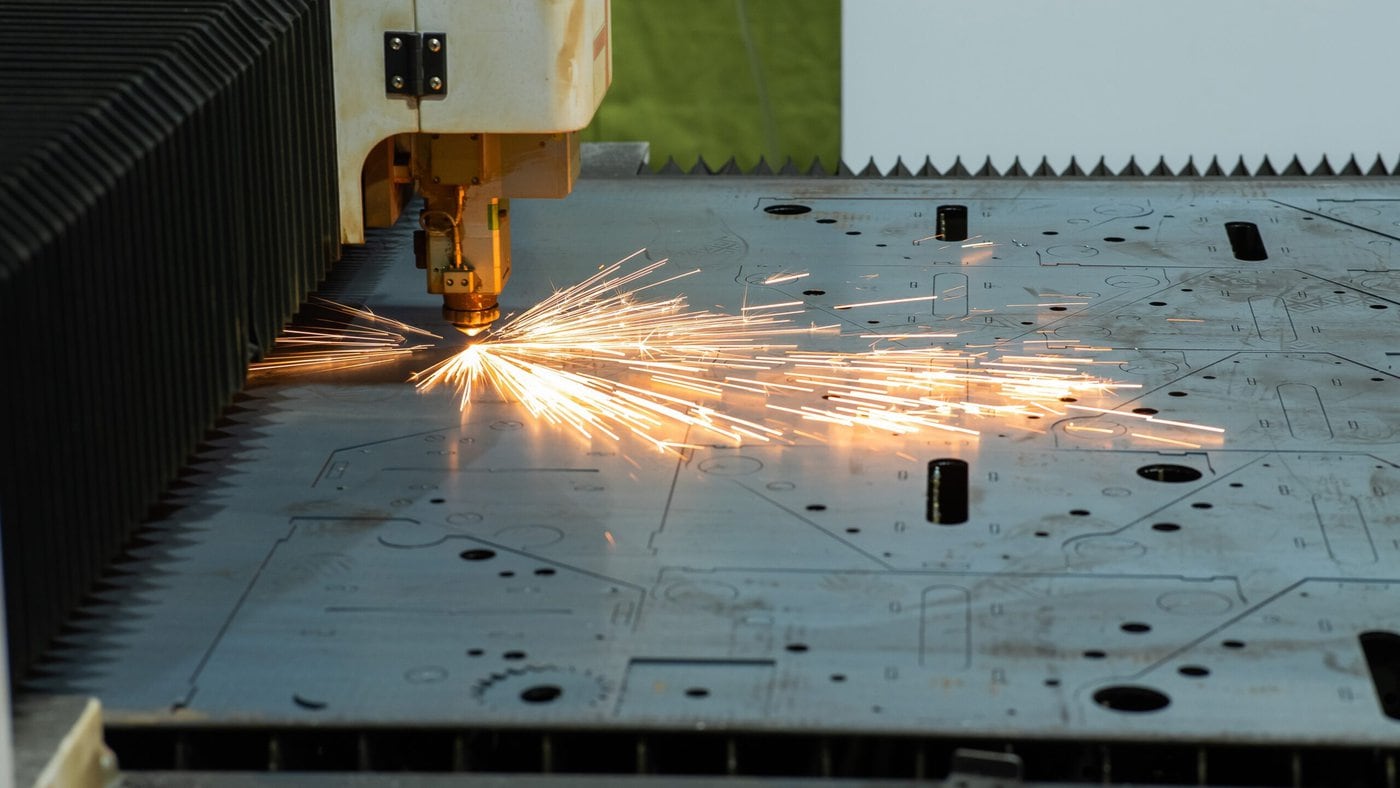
column 1161, row 439
column 602, row 360
column 971, row 243
column 333, row 345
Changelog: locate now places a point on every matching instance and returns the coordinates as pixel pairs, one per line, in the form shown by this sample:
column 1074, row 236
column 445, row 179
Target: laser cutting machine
column 469, row 120
column 331, row 573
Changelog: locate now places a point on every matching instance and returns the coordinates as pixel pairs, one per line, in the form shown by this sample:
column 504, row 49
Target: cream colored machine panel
column 516, row 67
column 364, row 113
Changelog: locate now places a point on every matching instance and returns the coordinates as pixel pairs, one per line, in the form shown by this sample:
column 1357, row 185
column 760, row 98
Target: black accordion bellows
column 167, row 198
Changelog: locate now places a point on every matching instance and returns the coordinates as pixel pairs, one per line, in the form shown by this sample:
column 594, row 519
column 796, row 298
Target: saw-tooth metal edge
column 1043, row 169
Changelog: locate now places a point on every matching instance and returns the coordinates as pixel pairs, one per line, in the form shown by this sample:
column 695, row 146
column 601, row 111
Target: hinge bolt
column 435, row 83
column 397, row 82
column 434, row 45
column 396, row 43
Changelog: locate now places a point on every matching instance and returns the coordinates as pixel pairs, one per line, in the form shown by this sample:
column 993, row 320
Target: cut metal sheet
column 350, row 551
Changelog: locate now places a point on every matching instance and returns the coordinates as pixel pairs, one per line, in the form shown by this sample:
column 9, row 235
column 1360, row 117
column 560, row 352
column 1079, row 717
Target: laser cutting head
column 467, row 181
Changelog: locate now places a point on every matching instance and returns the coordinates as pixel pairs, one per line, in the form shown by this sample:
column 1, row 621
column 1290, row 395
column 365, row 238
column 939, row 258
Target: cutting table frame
column 349, row 555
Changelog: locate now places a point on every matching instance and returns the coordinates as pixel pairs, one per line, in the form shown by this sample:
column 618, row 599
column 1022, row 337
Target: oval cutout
column 1132, row 698
column 1168, row 472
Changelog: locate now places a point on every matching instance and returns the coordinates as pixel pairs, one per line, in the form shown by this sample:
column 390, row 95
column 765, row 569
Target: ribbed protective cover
column 167, row 197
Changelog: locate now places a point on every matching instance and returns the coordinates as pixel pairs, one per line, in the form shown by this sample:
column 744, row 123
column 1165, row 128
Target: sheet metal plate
column 313, row 568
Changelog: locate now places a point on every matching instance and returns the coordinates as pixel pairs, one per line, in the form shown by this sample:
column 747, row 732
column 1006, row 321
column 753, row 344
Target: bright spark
column 778, row 279
column 888, row 301
column 923, row 335
column 771, row 306
column 355, row 338
column 600, row 360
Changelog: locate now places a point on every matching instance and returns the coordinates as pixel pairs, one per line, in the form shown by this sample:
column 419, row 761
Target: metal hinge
column 415, row 64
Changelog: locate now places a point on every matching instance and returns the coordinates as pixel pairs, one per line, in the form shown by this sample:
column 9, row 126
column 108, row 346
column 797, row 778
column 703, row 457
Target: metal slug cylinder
column 947, row 491
column 1245, row 241
column 952, row 222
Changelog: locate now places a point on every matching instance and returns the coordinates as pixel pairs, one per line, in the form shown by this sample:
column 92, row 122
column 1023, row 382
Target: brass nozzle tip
column 470, row 313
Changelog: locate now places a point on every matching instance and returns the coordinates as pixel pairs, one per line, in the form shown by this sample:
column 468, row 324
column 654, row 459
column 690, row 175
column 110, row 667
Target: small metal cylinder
column 1245, row 241
column 947, row 491
column 952, row 222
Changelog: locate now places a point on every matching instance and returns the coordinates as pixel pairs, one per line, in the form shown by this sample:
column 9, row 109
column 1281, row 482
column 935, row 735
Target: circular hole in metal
column 838, row 677
column 853, row 232
column 1177, row 394
column 1167, row 472
column 1377, row 380
column 1113, row 239
column 697, row 692
column 1049, row 232
column 814, row 292
column 787, row 209
column 541, row 693
column 506, row 573
column 1042, row 534
column 1052, row 682
column 1157, row 303
column 475, row 652
column 797, row 648
column 1194, row 671
column 1202, row 505
column 873, row 322
column 1236, row 644
column 1136, row 627
column 826, row 221
column 477, row 554
column 1208, row 377
column 1379, row 306
column 1094, row 653
column 1236, row 484
column 1079, row 512
column 513, row 655
column 816, row 507
column 1145, row 411
column 1131, row 698
column 544, row 571
column 1141, row 227
column 882, row 244
column 1058, row 308
column 438, row 500
column 1166, row 528
column 852, row 530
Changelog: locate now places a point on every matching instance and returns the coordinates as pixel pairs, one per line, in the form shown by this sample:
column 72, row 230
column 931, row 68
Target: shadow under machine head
column 469, row 105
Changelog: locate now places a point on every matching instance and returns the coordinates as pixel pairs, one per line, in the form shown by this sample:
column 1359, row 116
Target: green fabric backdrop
column 721, row 78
